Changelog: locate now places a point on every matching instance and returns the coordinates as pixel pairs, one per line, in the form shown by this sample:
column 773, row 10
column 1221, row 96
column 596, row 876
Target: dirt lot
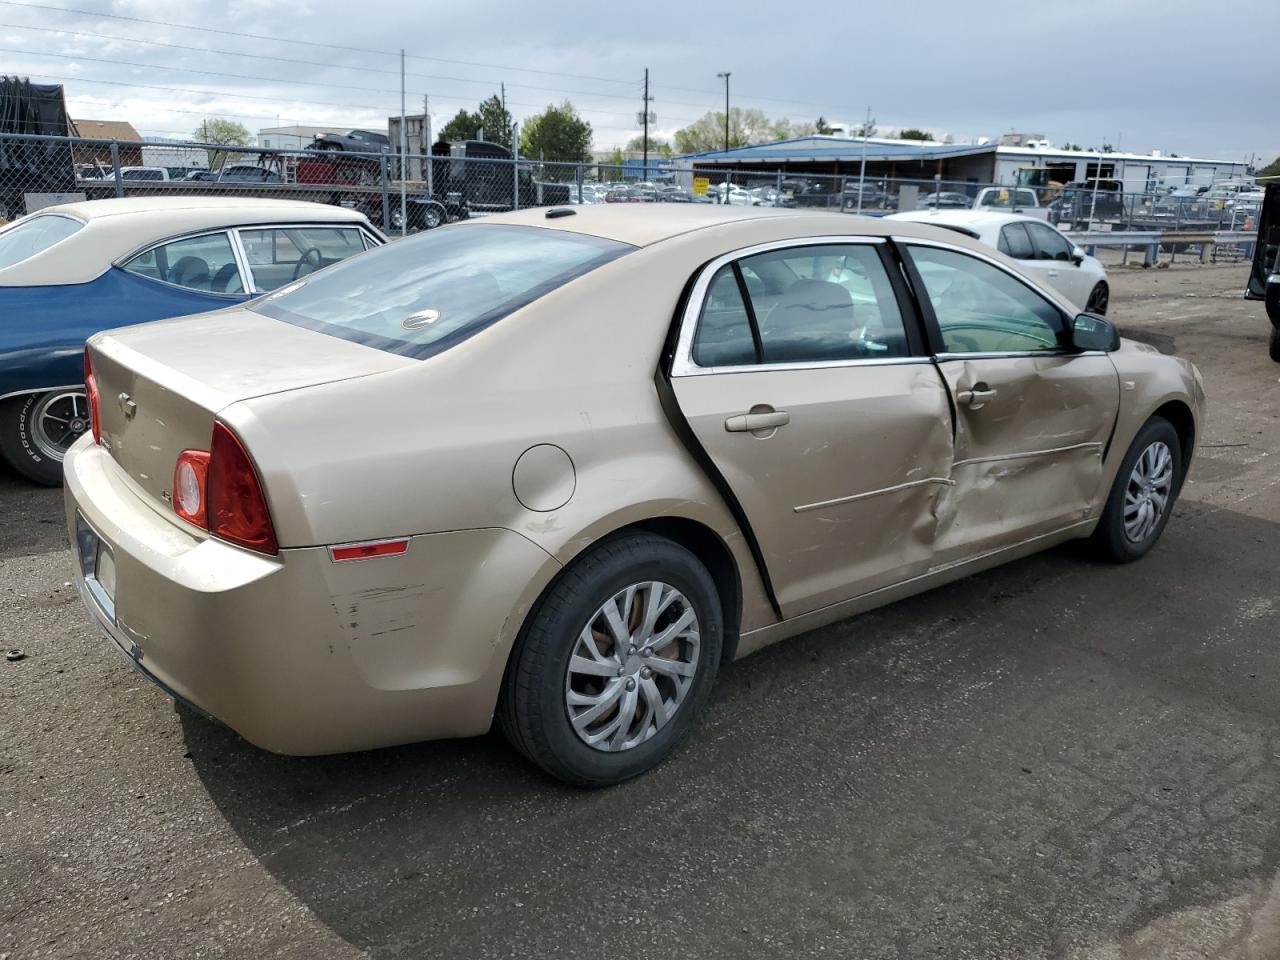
column 1054, row 759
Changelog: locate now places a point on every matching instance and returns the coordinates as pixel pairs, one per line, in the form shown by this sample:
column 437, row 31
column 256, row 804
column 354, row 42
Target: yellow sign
column 700, row 185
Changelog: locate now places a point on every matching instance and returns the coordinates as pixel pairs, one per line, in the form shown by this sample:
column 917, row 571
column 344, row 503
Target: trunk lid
column 162, row 384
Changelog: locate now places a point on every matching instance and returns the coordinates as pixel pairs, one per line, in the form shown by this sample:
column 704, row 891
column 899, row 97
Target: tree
column 745, row 127
column 914, row 133
column 495, row 121
column 867, row 129
column 1272, row 169
column 463, row 126
column 823, row 128
column 657, row 148
column 224, row 133
column 557, row 134
column 1071, row 146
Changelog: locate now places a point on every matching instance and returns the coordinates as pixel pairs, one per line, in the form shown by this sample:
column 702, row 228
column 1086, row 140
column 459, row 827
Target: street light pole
column 725, row 77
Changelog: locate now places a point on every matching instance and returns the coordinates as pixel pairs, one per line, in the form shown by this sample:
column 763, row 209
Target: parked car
column 1041, row 251
column 1079, row 204
column 484, row 472
column 1014, row 199
column 946, row 200
column 353, row 141
column 72, row 270
column 157, row 174
column 1264, row 275
column 874, row 196
column 248, row 173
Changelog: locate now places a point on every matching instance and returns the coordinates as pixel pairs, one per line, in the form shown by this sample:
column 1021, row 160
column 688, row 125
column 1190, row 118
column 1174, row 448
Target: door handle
column 976, row 398
column 750, row 422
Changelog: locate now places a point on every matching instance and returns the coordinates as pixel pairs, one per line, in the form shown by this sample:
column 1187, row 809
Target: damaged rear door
column 1032, row 417
column 819, row 408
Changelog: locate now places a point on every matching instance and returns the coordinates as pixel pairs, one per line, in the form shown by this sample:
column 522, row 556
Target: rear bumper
column 297, row 653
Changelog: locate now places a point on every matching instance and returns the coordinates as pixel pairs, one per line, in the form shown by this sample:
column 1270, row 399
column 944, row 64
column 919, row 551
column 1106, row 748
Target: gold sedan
column 559, row 466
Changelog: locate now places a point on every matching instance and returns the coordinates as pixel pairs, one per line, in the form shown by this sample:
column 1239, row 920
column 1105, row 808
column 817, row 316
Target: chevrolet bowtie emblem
column 127, row 405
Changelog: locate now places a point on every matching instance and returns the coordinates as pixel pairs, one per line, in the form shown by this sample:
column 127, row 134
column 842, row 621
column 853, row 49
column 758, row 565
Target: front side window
column 424, row 294
column 204, row 263
column 981, row 309
column 280, row 255
column 1049, row 243
column 811, row 304
column 34, row 235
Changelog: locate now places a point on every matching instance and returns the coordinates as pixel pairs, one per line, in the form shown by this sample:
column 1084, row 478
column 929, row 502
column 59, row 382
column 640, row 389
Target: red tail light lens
column 190, row 487
column 91, row 388
column 235, row 504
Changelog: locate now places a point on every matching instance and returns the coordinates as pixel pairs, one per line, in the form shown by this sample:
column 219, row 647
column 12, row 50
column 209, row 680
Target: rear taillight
column 91, row 388
column 219, row 490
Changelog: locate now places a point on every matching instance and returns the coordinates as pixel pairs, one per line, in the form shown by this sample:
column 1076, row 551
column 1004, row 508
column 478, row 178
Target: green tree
column 495, row 121
column 914, row 133
column 1272, row 169
column 463, row 126
column 745, row 127
column 224, row 133
column 657, row 147
column 867, row 129
column 556, row 134
column 823, row 128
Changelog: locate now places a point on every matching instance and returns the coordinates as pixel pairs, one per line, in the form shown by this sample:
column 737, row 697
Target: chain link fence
column 472, row 179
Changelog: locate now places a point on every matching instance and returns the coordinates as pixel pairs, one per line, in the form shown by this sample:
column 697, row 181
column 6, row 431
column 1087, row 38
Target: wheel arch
column 1179, row 414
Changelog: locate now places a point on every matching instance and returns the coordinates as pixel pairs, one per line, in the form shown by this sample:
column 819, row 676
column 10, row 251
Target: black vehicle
column 32, row 166
column 1264, row 278
column 1079, row 203
column 945, row 200
column 472, row 174
column 874, row 196
column 813, row 193
column 353, row 141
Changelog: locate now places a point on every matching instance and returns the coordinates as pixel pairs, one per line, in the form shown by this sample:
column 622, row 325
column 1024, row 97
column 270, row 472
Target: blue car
column 69, row 271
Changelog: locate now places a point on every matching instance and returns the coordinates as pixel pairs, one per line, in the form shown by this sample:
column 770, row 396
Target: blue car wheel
column 37, row 429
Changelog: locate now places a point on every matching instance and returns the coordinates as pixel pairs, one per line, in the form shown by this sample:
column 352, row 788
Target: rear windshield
column 34, row 235
column 420, row 296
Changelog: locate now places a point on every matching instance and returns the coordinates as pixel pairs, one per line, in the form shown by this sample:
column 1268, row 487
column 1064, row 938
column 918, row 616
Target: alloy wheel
column 1147, row 494
column 58, row 420
column 632, row 666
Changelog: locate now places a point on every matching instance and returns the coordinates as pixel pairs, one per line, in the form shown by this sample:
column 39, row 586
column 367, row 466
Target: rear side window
column 34, row 235
column 420, row 296
column 205, row 263
column 1015, row 243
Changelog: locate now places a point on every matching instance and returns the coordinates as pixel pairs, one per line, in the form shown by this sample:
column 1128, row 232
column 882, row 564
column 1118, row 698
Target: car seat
column 190, row 272
column 223, row 277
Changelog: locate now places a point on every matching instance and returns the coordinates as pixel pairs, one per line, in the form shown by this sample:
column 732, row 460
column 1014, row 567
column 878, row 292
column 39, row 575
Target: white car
column 1013, row 199
column 1042, row 252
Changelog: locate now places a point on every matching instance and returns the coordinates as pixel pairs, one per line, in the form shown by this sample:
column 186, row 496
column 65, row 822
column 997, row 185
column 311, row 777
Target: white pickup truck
column 1010, row 200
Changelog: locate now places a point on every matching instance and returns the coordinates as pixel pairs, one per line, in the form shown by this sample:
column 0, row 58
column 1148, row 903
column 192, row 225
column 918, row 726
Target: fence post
column 578, row 175
column 515, row 166
column 115, row 166
column 844, row 196
column 386, row 197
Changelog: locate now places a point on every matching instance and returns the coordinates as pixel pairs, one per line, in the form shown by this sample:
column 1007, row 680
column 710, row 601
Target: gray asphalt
column 1058, row 758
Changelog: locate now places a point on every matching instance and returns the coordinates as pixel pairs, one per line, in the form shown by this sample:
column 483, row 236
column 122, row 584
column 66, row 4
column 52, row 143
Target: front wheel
column 36, row 431
column 1099, row 298
column 1142, row 495
column 615, row 663
column 1275, row 344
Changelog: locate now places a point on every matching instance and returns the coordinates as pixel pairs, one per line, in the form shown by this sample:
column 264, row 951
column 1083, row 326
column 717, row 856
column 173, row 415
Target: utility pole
column 725, row 77
column 404, row 155
column 645, row 118
column 426, row 143
column 862, row 172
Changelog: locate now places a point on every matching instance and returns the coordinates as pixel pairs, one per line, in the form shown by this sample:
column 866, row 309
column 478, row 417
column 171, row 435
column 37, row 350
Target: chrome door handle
column 977, row 398
column 750, row 422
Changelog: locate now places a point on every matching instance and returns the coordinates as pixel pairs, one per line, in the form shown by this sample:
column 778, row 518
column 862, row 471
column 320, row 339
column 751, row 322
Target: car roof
column 118, row 226
column 979, row 221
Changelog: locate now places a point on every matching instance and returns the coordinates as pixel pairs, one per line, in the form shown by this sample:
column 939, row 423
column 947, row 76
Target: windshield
column 420, row 296
column 34, row 235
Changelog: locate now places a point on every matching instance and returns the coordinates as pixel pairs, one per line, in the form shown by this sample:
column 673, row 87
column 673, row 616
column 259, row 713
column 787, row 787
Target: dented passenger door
column 1032, row 417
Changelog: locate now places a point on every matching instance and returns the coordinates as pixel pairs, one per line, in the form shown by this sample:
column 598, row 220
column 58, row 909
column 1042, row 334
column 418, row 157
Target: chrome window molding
column 683, row 364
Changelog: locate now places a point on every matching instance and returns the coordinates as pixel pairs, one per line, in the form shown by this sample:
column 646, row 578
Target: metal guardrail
column 1150, row 241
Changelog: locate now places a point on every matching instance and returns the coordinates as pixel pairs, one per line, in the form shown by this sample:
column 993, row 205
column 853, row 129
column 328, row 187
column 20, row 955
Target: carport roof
column 834, row 149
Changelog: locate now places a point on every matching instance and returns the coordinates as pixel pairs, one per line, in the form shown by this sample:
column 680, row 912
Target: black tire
column 532, row 710
column 1110, row 537
column 1099, row 300
column 1275, row 344
column 19, row 447
column 433, row 216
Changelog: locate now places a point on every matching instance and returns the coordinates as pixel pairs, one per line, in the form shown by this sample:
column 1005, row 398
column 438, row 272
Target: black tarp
column 32, row 166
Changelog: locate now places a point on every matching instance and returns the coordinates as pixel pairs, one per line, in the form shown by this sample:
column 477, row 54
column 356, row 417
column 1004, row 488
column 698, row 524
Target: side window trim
column 750, row 307
column 683, row 364
column 931, row 320
column 250, row 282
column 157, row 248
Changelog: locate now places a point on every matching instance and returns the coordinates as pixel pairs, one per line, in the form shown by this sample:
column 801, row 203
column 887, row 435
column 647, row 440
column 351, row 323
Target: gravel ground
column 1054, row 759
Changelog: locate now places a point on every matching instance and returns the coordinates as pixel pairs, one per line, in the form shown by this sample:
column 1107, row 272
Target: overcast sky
column 1175, row 76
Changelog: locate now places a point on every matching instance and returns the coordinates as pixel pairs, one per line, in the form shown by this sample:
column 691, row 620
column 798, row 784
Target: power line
column 310, row 43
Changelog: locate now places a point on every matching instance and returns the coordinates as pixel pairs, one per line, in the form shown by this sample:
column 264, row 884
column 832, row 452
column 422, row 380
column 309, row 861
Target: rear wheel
column 615, row 663
column 1143, row 493
column 36, row 431
column 1275, row 344
column 1099, row 298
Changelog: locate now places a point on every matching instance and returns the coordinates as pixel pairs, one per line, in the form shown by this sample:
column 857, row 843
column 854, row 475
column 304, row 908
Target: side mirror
column 1077, row 256
column 1092, row 332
